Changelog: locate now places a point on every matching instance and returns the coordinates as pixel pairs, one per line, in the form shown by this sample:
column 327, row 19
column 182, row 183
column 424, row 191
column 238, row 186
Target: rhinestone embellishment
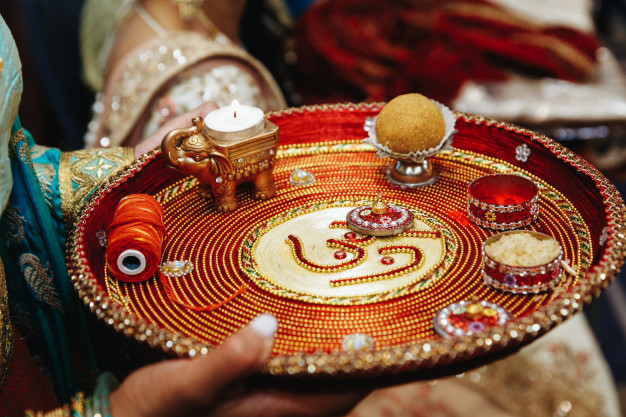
column 357, row 342
column 102, row 237
column 522, row 152
column 176, row 268
column 301, row 177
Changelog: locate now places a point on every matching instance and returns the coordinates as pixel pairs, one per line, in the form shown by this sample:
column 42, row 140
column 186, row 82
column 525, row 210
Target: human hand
column 219, row 384
column 181, row 121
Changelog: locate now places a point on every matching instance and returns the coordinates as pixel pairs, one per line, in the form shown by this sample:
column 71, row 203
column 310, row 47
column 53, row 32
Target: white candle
column 236, row 121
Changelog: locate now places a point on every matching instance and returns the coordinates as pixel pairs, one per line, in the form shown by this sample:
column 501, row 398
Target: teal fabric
column 46, row 167
column 44, row 305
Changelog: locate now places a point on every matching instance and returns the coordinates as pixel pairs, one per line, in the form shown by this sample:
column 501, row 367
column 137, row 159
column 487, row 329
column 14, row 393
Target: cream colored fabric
column 10, row 95
column 99, row 23
column 145, row 75
column 140, row 92
column 572, row 13
column 525, row 100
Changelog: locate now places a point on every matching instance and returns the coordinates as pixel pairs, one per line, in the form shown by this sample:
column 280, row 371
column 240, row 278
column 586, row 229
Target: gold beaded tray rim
column 388, row 360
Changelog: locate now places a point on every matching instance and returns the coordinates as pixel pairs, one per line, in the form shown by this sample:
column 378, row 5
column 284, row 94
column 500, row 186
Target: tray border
column 389, row 360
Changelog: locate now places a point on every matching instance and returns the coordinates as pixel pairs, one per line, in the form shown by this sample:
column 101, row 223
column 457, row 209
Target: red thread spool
column 135, row 238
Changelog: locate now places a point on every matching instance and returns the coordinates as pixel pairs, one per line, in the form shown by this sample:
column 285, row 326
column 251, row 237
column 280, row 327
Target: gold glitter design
column 80, row 172
column 160, row 61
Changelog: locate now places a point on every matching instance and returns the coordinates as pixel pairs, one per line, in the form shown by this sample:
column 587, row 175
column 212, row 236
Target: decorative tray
column 376, row 318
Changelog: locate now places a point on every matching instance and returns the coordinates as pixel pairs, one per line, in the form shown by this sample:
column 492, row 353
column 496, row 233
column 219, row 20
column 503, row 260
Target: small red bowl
column 502, row 201
column 521, row 279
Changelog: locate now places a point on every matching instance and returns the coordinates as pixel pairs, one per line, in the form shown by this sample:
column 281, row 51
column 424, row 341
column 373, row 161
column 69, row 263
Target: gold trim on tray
column 389, row 359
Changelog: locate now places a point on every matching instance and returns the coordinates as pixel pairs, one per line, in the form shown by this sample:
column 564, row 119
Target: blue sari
column 44, row 305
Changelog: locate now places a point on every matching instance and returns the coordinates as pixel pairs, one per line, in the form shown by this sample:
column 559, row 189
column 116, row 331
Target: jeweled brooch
column 468, row 317
column 176, row 268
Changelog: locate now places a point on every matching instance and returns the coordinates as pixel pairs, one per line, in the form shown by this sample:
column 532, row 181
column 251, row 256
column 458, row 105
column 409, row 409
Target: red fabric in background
column 370, row 50
column 25, row 386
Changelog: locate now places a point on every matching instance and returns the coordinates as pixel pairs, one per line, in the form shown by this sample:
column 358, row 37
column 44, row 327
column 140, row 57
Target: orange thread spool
column 135, row 238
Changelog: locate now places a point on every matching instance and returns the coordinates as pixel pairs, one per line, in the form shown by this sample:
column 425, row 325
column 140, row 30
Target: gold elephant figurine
column 220, row 165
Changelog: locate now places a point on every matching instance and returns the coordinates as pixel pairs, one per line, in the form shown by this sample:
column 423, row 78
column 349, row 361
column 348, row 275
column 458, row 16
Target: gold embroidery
column 24, row 155
column 81, row 172
column 76, row 407
column 6, row 331
column 66, row 190
column 561, row 381
column 45, row 174
column 38, row 151
column 40, row 279
column 14, row 225
column 156, row 64
column 16, row 138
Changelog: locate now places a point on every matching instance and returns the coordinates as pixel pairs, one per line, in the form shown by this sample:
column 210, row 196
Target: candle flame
column 235, row 106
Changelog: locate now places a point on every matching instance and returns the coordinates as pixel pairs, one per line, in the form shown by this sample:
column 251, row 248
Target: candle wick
column 235, row 114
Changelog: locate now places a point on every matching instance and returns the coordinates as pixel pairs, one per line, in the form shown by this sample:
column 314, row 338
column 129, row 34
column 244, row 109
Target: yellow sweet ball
column 410, row 123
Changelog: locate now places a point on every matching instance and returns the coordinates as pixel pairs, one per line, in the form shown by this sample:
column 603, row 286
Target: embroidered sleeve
column 81, row 172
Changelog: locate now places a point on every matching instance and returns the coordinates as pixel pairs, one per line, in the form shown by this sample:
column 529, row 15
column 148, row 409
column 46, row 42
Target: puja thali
column 380, row 294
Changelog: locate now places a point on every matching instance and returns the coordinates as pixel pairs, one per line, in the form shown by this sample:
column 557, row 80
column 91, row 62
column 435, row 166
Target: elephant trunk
column 171, row 151
column 171, row 145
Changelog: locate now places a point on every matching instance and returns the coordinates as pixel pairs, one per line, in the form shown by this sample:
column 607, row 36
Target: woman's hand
column 219, row 384
column 184, row 120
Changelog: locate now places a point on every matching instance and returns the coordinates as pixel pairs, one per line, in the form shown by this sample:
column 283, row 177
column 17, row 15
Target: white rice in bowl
column 523, row 249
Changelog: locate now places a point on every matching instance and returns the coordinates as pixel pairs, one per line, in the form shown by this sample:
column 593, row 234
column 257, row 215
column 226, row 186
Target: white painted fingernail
column 265, row 325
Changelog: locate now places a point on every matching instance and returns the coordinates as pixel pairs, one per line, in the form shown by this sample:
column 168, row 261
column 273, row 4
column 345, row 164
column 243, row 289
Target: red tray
column 579, row 207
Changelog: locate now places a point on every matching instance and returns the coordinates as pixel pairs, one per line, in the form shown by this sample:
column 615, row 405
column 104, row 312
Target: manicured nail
column 265, row 325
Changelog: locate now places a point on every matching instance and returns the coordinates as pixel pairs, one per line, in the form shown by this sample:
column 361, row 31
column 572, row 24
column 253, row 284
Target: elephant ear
column 220, row 164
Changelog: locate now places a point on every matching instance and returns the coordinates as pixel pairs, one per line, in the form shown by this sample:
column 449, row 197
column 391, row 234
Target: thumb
column 178, row 387
column 238, row 357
